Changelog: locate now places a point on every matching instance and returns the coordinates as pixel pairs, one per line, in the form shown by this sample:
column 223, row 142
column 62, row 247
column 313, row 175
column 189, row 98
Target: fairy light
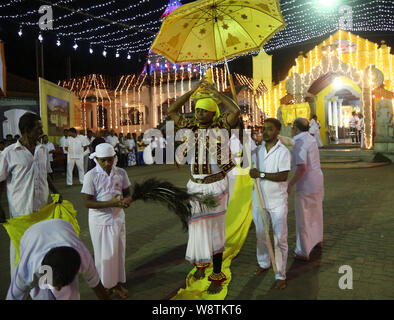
column 161, row 96
column 139, row 102
column 168, row 90
column 155, row 111
column 120, row 100
column 190, row 87
column 182, row 90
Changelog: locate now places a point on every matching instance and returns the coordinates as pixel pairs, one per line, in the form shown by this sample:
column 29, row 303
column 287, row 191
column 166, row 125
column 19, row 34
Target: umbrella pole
column 256, row 182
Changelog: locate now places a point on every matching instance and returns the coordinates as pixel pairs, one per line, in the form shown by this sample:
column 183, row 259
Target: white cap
column 103, row 150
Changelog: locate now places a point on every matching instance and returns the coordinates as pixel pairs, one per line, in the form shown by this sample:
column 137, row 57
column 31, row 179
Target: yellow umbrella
column 215, row 30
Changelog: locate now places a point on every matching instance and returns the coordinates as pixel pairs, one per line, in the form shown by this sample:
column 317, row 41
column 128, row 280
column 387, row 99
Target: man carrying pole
column 272, row 162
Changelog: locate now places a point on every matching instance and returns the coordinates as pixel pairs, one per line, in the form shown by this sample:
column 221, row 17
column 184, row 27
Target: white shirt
column 49, row 147
column 62, row 142
column 26, row 176
column 306, row 152
column 35, row 244
column 75, row 148
column 360, row 124
column 353, row 122
column 278, row 159
column 130, row 143
column 104, row 187
column 112, row 140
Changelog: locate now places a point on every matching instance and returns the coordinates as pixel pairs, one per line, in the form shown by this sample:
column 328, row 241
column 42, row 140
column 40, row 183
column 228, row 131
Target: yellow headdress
column 204, row 99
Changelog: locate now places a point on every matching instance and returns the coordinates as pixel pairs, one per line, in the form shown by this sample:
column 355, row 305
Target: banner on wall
column 3, row 74
column 292, row 111
column 56, row 108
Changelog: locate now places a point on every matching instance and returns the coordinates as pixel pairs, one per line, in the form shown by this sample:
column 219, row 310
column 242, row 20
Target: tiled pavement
column 358, row 231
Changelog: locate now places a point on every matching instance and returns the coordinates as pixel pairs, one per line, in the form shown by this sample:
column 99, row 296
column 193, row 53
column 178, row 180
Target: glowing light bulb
column 90, row 50
column 337, row 82
column 75, row 46
column 104, row 53
column 40, row 38
column 20, row 32
column 58, row 43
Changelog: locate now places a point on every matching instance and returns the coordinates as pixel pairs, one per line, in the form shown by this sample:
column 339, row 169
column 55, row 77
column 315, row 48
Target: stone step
column 346, row 154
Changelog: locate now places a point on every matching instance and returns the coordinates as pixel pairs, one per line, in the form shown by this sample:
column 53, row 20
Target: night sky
column 21, row 51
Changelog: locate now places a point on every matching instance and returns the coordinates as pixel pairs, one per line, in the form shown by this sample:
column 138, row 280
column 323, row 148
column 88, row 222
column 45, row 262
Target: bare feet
column 120, row 291
column 301, row 258
column 214, row 288
column 260, row 270
column 199, row 274
column 280, row 284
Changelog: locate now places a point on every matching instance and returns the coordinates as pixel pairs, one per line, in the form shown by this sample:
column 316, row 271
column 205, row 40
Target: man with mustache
column 272, row 163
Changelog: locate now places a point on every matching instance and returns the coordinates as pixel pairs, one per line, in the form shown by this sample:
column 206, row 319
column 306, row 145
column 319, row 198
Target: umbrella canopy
column 213, row 30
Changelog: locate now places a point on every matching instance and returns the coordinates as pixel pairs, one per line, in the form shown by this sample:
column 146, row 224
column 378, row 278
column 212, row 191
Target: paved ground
column 358, row 231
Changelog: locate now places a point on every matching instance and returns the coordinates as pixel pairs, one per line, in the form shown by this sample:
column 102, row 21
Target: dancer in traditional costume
column 207, row 227
column 106, row 192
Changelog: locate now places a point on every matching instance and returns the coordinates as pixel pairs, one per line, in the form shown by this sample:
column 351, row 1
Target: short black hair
column 72, row 130
column 275, row 122
column 299, row 123
column 65, row 263
column 28, row 121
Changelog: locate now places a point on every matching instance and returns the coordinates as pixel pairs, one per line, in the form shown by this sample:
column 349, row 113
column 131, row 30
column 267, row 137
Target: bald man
column 308, row 179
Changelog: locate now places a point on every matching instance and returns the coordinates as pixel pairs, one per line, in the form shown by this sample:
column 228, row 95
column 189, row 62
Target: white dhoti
column 207, row 234
column 309, row 221
column 109, row 245
column 278, row 218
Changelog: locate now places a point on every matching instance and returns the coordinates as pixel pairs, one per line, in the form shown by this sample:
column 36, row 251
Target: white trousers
column 70, row 168
column 309, row 221
column 109, row 245
column 278, row 218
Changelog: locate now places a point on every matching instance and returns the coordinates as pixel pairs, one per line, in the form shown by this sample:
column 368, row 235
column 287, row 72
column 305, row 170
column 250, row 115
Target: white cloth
column 35, row 244
column 130, row 143
column 361, row 129
column 85, row 143
column 278, row 219
column 278, row 159
column 353, row 122
column 62, row 142
column 70, row 168
column 26, row 176
column 207, row 235
column 49, row 147
column 103, row 150
column 309, row 221
column 309, row 195
column 314, row 130
column 112, row 140
column 75, row 148
column 107, row 226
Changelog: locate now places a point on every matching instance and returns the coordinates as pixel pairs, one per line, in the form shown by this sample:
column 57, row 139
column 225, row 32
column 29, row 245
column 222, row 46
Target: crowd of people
column 25, row 172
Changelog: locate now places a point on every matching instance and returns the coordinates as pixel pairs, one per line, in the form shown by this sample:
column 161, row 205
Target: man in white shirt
column 85, row 143
column 112, row 140
column 360, row 130
column 308, row 179
column 272, row 161
column 353, row 123
column 314, row 130
column 75, row 150
column 52, row 247
column 51, row 150
column 61, row 143
column 24, row 168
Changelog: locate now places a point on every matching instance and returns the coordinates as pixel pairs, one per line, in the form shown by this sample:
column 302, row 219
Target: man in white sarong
column 106, row 192
column 308, row 179
column 314, row 130
column 208, row 177
column 272, row 163
column 51, row 256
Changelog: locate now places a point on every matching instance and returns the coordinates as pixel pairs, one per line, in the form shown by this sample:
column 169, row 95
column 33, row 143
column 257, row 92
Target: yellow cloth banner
column 16, row 227
column 292, row 111
column 262, row 70
column 238, row 220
